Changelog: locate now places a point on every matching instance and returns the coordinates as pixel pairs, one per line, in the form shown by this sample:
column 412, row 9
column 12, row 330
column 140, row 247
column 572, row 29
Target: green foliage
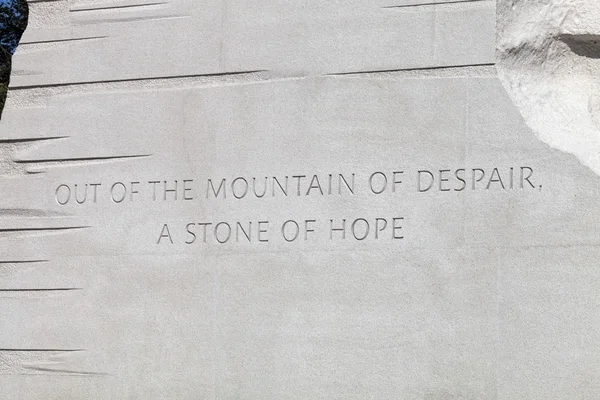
column 14, row 15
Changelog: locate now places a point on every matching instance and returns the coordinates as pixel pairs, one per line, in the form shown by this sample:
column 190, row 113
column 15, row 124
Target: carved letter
column 216, row 193
column 164, row 233
column 419, row 181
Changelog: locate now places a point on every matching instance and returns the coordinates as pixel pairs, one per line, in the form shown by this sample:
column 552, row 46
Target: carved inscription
column 209, row 190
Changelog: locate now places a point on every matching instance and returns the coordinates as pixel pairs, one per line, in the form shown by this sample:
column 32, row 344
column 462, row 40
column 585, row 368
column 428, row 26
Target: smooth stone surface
column 469, row 286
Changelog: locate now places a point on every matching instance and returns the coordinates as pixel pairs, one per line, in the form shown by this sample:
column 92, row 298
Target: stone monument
column 389, row 199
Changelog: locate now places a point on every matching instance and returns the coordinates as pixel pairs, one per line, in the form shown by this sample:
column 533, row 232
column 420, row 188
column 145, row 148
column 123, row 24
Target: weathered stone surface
column 477, row 277
column 548, row 54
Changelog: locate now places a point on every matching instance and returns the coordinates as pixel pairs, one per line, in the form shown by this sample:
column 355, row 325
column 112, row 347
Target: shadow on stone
column 583, row 45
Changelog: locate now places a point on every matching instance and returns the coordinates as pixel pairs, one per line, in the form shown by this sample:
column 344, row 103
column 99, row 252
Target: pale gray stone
column 478, row 287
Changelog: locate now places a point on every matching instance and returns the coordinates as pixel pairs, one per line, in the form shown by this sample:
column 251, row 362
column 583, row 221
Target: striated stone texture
column 289, row 200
